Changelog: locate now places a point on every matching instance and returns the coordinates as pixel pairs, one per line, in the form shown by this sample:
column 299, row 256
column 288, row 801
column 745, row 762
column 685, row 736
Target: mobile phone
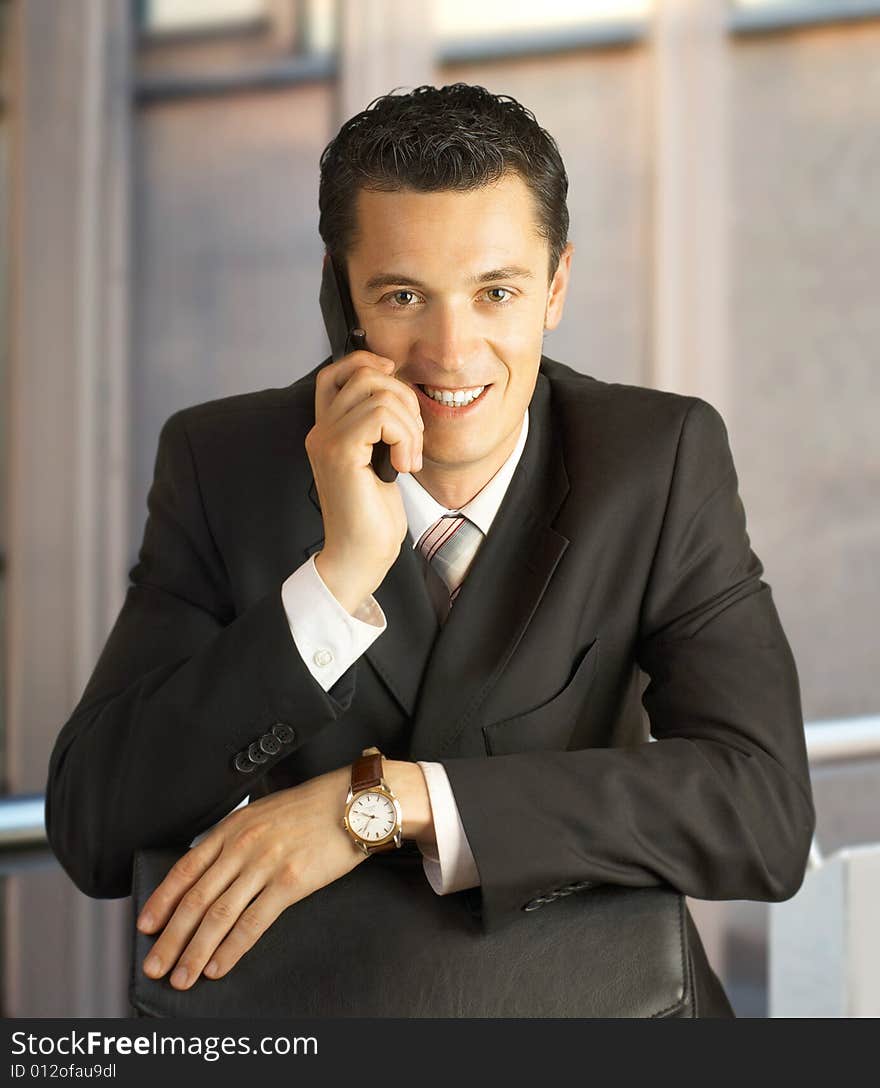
column 345, row 337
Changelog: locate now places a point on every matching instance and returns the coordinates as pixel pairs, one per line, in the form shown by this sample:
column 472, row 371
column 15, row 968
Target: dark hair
column 457, row 137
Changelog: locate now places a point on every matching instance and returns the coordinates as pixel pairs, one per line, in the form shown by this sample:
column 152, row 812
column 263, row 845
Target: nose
column 448, row 339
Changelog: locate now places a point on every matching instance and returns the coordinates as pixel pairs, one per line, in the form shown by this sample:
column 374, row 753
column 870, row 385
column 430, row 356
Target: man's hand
column 225, row 892
column 359, row 402
column 275, row 851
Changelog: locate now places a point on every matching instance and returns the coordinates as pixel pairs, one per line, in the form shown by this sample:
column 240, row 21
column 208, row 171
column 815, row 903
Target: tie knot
column 450, row 546
column 439, row 534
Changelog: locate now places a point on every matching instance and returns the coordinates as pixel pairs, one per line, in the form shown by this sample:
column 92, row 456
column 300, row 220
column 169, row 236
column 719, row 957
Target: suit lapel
column 503, row 589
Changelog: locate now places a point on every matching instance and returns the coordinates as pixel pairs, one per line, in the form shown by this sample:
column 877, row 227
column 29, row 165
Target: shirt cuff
column 449, row 865
column 329, row 638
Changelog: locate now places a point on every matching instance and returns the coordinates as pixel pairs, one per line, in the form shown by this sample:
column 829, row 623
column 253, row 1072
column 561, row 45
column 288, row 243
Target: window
column 455, row 20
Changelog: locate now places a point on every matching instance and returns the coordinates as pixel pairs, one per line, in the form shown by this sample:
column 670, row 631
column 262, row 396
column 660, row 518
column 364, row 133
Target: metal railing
column 22, row 822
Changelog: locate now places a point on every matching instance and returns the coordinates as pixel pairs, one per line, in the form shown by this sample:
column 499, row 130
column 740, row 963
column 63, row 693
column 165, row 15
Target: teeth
column 457, row 398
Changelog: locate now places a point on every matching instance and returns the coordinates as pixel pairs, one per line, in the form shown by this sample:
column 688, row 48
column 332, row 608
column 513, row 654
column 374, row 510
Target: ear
column 558, row 289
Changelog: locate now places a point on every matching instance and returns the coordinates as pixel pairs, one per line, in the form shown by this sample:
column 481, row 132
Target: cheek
column 520, row 337
column 521, row 357
column 390, row 342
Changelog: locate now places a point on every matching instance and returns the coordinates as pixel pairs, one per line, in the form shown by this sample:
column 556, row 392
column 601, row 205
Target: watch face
column 372, row 816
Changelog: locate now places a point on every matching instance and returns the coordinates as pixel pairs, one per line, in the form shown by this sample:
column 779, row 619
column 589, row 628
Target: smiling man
column 461, row 309
column 447, row 663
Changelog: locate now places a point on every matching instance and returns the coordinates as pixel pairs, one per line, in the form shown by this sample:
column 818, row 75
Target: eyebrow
column 389, row 279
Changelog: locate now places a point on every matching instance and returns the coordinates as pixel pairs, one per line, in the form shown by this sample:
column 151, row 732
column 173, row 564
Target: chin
column 452, row 457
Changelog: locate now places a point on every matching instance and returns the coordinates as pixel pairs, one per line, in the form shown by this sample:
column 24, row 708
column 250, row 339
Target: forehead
column 498, row 218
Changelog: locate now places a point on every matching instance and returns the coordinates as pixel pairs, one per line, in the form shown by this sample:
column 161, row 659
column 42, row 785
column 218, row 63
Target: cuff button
column 255, row 755
column 283, row 732
column 243, row 764
column 270, row 744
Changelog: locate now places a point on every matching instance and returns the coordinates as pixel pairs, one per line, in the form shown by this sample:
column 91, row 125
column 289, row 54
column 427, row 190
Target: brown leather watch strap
column 366, row 770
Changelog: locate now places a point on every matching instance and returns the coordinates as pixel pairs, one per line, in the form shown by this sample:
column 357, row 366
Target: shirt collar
column 422, row 509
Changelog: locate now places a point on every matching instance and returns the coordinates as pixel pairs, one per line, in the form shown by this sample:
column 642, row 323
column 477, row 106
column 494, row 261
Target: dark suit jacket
column 621, row 543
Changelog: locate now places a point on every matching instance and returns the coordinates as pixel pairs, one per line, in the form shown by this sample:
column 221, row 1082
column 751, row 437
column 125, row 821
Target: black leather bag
column 380, row 943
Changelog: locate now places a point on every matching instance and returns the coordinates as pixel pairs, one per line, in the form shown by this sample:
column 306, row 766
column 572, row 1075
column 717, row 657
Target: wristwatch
column 372, row 812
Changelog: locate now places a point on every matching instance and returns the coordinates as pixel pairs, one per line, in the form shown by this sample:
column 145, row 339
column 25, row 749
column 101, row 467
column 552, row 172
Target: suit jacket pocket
column 550, row 725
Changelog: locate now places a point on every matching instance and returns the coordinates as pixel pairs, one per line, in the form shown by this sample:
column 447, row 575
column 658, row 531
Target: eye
column 402, row 299
column 495, row 290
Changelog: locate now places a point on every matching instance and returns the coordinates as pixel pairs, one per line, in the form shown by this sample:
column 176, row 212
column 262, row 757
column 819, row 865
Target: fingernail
column 212, row 968
column 180, row 976
column 145, row 922
column 153, row 966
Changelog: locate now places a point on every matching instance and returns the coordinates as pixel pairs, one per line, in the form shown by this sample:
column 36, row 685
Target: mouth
column 451, row 403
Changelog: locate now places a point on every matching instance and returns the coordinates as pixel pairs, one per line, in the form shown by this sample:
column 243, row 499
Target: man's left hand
column 226, row 891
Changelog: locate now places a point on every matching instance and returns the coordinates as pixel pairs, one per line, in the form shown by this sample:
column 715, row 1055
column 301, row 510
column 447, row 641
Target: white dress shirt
column 330, row 639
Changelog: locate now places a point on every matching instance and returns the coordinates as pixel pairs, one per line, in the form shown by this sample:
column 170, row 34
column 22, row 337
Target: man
column 481, row 620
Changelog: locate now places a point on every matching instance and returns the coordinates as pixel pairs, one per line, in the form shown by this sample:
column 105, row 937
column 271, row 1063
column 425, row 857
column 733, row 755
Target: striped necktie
column 450, row 546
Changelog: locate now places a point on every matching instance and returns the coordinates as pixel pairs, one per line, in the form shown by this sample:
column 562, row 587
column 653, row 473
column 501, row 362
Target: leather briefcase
column 607, row 951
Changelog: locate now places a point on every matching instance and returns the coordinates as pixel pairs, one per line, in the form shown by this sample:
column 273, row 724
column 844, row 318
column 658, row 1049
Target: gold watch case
column 395, row 835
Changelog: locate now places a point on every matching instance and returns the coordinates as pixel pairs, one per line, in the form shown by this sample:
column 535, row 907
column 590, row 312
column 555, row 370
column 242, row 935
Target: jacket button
column 582, row 885
column 270, row 744
column 255, row 755
column 541, row 900
column 283, row 732
column 243, row 764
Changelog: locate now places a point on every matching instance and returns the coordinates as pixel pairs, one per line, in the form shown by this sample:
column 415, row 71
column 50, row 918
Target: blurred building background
column 159, row 247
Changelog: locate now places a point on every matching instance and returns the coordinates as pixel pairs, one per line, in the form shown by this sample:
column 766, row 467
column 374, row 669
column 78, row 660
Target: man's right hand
column 359, row 403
